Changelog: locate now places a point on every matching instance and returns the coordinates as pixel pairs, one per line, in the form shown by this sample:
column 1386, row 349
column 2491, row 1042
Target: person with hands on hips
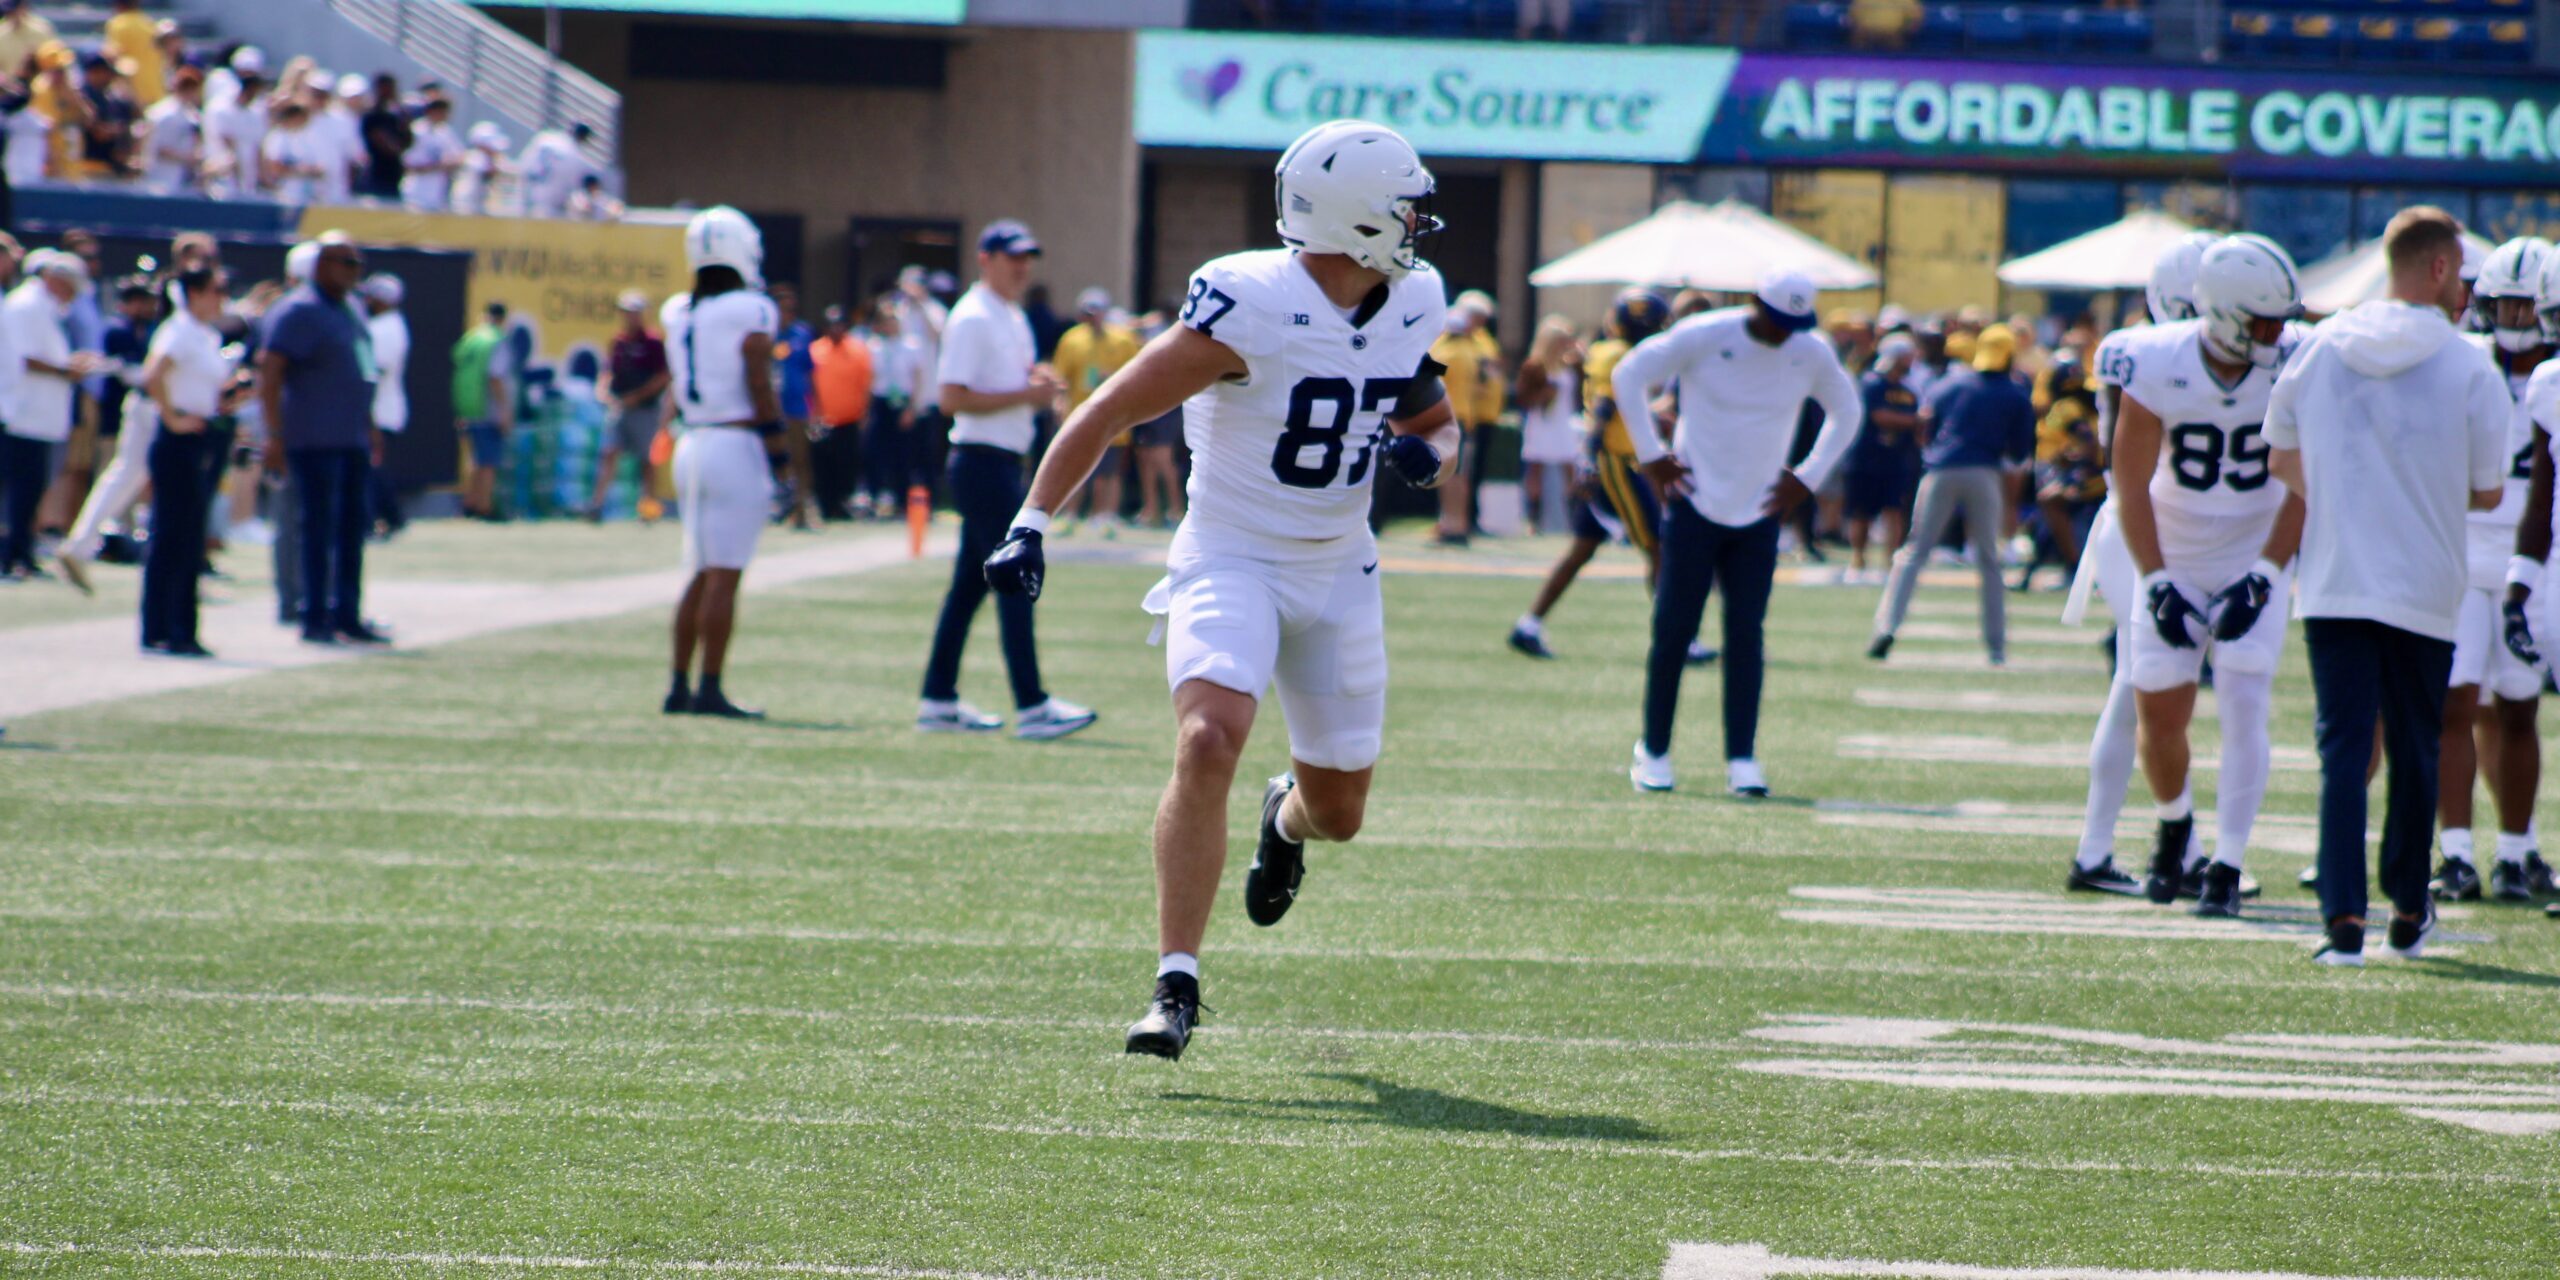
column 1743, row 375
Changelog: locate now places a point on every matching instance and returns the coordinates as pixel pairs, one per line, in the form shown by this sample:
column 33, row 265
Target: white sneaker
column 1743, row 778
column 954, row 717
column 1650, row 772
column 1055, row 718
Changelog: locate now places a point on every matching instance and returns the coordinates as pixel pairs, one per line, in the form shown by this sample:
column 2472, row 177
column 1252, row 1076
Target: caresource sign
column 1966, row 114
column 1716, row 106
column 1199, row 89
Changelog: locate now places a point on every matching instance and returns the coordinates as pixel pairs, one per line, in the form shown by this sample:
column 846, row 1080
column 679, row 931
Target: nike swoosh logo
column 1408, row 320
column 1371, row 567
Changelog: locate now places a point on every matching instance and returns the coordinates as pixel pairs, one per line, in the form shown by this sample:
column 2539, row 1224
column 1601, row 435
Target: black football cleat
column 1166, row 1030
column 2407, row 938
column 2508, row 882
column 2345, row 947
column 1271, row 883
column 1525, row 641
column 679, row 702
column 716, row 703
column 2456, row 881
column 1879, row 647
column 2169, row 861
column 2105, row 877
column 2220, row 893
column 2538, row 875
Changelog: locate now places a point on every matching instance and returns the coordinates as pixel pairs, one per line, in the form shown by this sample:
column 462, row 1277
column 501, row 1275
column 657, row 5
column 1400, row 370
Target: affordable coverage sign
column 1219, row 89
column 1889, row 113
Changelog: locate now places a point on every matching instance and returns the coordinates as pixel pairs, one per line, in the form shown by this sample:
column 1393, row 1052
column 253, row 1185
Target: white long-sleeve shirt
column 1739, row 401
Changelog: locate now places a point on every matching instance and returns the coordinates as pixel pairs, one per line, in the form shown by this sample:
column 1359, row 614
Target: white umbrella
column 2360, row 274
column 2116, row 256
column 1685, row 245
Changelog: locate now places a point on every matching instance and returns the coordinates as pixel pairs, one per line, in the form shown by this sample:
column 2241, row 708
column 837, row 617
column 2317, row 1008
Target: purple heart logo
column 1210, row 87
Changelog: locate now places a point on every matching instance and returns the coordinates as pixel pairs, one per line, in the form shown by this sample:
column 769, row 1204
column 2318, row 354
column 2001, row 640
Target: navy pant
column 2362, row 670
column 887, row 470
column 331, row 508
column 176, row 557
column 1698, row 555
column 986, row 485
column 26, row 467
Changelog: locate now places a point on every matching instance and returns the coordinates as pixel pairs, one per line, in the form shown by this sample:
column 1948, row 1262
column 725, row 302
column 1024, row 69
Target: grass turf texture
column 473, row 953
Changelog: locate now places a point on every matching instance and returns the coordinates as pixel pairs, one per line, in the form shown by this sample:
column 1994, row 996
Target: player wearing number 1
column 2212, row 531
column 1307, row 372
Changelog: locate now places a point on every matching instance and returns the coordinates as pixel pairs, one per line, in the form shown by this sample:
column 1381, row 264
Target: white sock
column 2247, row 703
column 1532, row 624
column 1182, row 962
column 1280, row 823
column 2182, row 807
column 2512, row 846
column 2456, row 843
column 2112, row 753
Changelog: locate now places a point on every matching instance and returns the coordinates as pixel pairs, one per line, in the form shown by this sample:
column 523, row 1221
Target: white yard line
column 1973, row 660
column 2016, row 635
column 76, row 664
column 487, row 1261
column 1953, row 748
column 1756, row 1262
column 2002, row 702
column 1153, row 1132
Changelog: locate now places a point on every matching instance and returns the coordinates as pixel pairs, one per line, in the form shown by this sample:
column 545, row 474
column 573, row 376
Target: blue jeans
column 330, row 506
column 2361, row 670
column 1699, row 555
column 986, row 484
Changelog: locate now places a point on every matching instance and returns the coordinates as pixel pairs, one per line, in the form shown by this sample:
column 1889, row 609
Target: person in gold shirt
column 1462, row 367
column 1618, row 503
column 133, row 37
column 1088, row 354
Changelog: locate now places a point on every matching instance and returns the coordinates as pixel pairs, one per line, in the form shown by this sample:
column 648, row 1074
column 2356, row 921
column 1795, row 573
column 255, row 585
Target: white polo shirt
column 390, row 332
column 39, row 403
column 987, row 346
column 1739, row 400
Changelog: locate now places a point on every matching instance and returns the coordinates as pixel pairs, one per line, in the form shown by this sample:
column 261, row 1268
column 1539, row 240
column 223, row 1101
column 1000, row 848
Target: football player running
column 2522, row 276
column 2211, row 531
column 1617, row 501
column 1306, row 372
column 720, row 355
column 2107, row 566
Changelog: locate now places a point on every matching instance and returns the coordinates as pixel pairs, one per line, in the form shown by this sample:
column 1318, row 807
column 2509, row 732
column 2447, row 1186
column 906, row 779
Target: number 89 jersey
column 2213, row 457
column 1290, row 451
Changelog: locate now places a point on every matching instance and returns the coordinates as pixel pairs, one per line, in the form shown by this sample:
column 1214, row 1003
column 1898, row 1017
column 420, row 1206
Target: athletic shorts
column 722, row 486
column 634, row 430
column 2204, row 554
column 1622, row 509
column 2480, row 654
column 1164, row 432
column 1869, row 493
column 488, row 444
column 1245, row 612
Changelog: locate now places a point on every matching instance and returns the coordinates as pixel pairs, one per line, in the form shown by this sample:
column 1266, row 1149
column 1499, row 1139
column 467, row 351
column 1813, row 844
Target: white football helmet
column 2172, row 291
column 2246, row 289
column 1354, row 188
column 2546, row 297
column 2513, row 272
column 723, row 237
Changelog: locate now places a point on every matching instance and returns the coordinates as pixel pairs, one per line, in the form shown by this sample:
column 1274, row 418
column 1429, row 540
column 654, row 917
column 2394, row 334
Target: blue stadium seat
column 2382, row 38
column 2251, row 33
column 2001, row 30
column 1441, row 17
column 1941, row 30
column 1817, row 26
column 2051, row 29
column 2116, row 32
column 2311, row 35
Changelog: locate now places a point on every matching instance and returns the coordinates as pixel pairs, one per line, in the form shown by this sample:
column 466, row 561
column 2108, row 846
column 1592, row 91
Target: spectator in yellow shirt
column 1088, row 354
column 132, row 36
column 22, row 32
column 1881, row 24
column 1463, row 364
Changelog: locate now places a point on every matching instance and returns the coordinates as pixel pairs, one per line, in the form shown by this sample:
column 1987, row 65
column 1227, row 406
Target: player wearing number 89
column 1306, row 374
column 2211, row 532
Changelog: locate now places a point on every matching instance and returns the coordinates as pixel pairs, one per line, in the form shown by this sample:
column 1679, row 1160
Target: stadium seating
column 2020, row 28
column 2447, row 32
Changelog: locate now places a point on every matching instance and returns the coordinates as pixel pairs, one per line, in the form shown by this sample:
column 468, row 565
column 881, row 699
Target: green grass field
column 469, row 963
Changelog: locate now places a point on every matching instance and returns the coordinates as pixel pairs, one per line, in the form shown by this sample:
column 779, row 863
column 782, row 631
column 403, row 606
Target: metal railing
column 473, row 53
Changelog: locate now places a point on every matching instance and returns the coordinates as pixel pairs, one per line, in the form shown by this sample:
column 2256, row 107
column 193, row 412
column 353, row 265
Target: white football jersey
column 2111, row 365
column 1290, row 451
column 706, row 353
column 2213, row 458
column 2493, row 532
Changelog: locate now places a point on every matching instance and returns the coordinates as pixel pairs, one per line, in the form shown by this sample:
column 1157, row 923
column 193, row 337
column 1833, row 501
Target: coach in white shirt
column 1743, row 375
column 389, row 328
column 992, row 382
column 2391, row 428
column 42, row 373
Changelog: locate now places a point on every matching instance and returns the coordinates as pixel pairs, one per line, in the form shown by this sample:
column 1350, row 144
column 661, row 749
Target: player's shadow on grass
column 2490, row 973
column 1410, row 1107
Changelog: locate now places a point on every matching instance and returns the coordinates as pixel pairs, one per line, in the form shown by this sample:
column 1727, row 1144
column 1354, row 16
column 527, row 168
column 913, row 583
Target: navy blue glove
column 2172, row 615
column 2236, row 608
column 1415, row 460
column 2520, row 633
column 1016, row 566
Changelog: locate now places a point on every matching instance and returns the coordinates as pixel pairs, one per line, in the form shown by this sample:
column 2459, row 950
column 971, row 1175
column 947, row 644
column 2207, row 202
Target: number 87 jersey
column 2213, row 459
column 1291, row 449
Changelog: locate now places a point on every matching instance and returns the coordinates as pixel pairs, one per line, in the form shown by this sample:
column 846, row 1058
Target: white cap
column 1096, row 298
column 1790, row 294
column 352, row 85
column 1896, row 344
column 248, row 61
column 299, row 261
column 55, row 262
column 320, row 80
column 385, row 289
column 1477, row 301
column 2473, row 258
column 488, row 134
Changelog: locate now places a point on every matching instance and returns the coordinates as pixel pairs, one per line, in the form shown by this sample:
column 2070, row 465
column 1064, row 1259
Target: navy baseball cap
column 1009, row 237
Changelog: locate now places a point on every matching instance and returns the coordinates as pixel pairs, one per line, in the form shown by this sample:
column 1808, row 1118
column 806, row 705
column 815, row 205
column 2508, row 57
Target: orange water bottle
column 919, row 514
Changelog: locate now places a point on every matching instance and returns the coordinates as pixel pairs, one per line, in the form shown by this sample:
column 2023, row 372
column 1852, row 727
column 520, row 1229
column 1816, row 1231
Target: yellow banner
column 558, row 279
